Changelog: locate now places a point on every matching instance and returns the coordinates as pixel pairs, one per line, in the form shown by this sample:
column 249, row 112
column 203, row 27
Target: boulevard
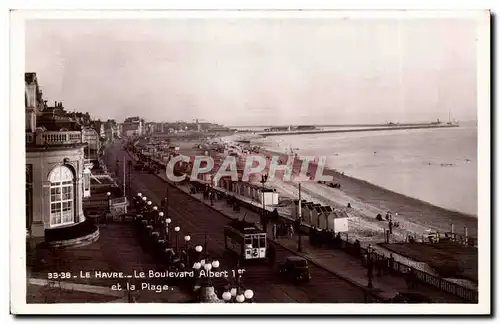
column 200, row 222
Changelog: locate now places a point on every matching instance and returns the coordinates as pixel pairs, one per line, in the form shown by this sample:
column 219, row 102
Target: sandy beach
column 367, row 200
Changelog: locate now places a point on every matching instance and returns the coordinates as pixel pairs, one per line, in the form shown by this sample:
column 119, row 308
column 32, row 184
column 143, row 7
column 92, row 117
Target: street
column 198, row 220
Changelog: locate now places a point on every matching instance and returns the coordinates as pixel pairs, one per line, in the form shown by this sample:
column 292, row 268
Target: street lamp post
column 187, row 238
column 138, row 199
column 299, row 221
column 264, row 218
column 248, row 295
column 177, row 229
column 167, row 223
column 198, row 250
column 226, row 296
column 240, row 298
column 370, row 266
column 109, row 201
column 162, row 229
column 155, row 215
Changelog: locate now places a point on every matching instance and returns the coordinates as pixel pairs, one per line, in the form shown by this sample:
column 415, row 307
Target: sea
column 438, row 166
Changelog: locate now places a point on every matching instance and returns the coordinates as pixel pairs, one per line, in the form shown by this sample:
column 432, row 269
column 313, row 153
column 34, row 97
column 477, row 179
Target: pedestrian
column 290, row 230
column 275, row 230
column 391, row 263
column 379, row 265
column 410, row 280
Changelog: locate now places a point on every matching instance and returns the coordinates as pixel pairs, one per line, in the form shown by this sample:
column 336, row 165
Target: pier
column 321, row 131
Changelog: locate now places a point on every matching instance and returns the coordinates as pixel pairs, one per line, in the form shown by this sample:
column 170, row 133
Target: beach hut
column 306, row 211
column 338, row 221
column 267, row 195
column 314, row 213
column 311, row 211
column 324, row 216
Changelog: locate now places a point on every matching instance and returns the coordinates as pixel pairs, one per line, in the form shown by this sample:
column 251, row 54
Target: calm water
column 434, row 165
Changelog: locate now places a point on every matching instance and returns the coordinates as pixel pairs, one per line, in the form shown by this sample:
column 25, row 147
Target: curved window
column 61, row 196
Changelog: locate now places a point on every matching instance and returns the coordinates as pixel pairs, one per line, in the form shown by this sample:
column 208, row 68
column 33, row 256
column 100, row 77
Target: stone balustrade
column 54, row 138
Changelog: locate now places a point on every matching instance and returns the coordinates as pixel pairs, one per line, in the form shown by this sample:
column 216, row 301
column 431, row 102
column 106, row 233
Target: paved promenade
column 336, row 261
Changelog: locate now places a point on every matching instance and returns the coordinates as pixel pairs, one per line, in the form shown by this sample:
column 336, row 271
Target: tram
column 246, row 240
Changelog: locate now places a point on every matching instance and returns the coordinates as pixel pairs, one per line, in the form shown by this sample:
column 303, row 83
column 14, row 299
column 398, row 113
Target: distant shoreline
column 326, row 131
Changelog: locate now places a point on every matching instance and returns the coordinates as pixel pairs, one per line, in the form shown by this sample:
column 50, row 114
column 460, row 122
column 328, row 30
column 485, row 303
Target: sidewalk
column 336, row 261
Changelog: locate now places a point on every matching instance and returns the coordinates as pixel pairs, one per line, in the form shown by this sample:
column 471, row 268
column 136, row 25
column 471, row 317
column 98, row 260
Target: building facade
column 91, row 138
column 133, row 126
column 54, row 165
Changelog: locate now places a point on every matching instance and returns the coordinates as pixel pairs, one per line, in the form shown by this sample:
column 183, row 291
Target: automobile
column 410, row 298
column 295, row 268
column 139, row 166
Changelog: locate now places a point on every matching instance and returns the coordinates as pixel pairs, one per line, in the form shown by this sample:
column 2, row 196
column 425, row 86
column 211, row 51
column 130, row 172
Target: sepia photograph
column 288, row 162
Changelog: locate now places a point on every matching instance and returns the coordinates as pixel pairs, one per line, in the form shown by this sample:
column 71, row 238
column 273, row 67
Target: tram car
column 246, row 240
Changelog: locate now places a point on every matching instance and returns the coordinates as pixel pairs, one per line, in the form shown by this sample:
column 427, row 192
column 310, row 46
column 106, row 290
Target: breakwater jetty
column 320, row 131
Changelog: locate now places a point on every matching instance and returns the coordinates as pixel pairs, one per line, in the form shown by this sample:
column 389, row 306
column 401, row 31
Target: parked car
column 295, row 268
column 139, row 166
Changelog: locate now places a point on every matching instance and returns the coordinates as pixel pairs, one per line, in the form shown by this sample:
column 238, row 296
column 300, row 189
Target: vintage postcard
column 284, row 162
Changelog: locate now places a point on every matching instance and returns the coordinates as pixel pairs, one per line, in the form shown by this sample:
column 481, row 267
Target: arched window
column 61, row 196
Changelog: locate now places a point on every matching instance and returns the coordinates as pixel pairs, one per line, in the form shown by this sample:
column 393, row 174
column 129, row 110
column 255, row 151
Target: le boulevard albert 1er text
column 202, row 273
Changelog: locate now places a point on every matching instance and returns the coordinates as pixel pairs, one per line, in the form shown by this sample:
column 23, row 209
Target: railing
column 62, row 137
column 425, row 277
column 54, row 138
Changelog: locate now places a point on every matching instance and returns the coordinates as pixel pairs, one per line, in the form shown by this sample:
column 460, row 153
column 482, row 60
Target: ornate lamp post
column 177, row 229
column 149, row 209
column 109, row 201
column 207, row 267
column 198, row 250
column 187, row 238
column 137, row 200
column 155, row 215
column 233, row 292
column 226, row 296
column 167, row 223
column 240, row 298
column 248, row 295
column 162, row 229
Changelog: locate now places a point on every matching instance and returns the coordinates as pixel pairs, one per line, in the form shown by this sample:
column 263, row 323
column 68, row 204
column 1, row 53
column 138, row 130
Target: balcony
column 54, row 138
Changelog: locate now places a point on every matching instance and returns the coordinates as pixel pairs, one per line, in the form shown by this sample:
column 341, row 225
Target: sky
column 247, row 71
